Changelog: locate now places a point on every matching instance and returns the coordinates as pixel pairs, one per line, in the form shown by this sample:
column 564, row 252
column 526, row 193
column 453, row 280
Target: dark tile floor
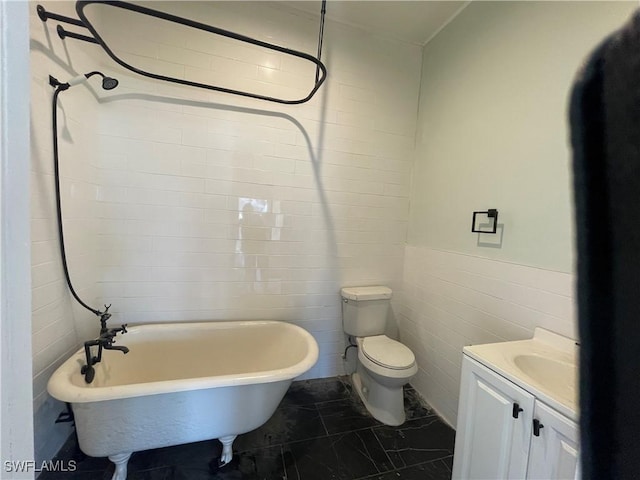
column 320, row 431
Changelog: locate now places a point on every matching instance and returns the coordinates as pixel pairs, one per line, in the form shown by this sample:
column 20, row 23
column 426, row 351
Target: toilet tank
column 364, row 310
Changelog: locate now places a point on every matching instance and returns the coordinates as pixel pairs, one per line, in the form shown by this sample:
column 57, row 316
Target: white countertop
column 545, row 365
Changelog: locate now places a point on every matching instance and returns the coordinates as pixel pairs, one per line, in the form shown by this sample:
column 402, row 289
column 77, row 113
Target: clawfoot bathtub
column 182, row 383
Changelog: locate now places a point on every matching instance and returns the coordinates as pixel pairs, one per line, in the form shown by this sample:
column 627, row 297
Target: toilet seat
column 386, row 353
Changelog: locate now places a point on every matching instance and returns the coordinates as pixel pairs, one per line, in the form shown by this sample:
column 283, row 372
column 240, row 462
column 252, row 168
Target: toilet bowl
column 384, row 365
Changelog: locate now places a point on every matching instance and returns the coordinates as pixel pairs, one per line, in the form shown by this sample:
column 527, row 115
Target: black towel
column 605, row 135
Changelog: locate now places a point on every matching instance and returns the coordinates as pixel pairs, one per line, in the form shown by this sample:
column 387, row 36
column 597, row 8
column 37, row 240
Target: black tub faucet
column 107, row 338
column 105, row 341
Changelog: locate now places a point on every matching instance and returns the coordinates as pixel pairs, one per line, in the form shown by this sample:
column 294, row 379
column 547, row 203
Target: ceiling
column 413, row 22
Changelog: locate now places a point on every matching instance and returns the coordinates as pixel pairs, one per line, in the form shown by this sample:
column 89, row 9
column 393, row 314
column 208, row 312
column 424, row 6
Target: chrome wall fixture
column 82, row 21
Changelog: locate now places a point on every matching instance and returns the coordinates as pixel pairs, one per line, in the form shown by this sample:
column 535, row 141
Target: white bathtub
column 181, row 383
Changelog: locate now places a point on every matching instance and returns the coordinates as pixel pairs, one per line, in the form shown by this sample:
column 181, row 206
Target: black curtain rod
column 321, row 70
column 44, row 16
column 62, row 33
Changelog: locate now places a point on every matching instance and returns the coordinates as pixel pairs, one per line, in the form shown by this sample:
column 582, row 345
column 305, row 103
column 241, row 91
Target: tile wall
column 216, row 207
column 451, row 300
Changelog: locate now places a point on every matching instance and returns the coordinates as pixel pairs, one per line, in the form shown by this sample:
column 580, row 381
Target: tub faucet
column 105, row 341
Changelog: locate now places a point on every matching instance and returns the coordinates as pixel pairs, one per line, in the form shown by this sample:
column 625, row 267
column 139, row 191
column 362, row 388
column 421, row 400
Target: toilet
column 384, row 365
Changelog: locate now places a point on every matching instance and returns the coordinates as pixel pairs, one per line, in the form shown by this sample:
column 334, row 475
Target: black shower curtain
column 605, row 136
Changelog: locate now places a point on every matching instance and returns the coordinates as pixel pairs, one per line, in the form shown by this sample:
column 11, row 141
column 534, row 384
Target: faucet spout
column 123, row 349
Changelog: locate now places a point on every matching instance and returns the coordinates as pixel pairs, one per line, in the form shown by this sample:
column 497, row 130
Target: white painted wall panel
column 441, row 310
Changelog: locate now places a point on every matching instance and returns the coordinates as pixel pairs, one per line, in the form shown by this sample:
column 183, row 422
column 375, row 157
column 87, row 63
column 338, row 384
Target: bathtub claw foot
column 120, row 461
column 227, row 450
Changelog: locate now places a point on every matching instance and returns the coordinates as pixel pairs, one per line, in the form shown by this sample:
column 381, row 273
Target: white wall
column 492, row 133
column 217, row 207
column 492, row 129
column 16, row 431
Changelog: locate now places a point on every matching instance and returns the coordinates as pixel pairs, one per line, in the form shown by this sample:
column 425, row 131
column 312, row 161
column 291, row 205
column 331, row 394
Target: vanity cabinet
column 504, row 432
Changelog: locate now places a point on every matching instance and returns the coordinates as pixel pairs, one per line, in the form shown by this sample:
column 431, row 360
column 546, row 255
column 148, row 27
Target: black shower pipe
column 321, row 70
column 61, row 87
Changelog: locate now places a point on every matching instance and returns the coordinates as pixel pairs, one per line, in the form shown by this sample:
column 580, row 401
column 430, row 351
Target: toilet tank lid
column 366, row 293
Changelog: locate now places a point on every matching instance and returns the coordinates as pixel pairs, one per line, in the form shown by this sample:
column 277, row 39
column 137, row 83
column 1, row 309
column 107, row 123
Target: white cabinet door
column 554, row 450
column 491, row 443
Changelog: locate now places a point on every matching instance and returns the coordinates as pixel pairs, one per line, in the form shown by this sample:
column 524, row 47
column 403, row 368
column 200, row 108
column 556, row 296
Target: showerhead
column 109, row 83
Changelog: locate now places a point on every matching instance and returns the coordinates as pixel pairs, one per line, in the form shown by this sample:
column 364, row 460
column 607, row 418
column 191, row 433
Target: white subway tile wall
column 216, row 207
column 450, row 300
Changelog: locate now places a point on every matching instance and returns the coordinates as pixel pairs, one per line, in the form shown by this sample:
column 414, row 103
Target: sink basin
column 554, row 374
column 545, row 366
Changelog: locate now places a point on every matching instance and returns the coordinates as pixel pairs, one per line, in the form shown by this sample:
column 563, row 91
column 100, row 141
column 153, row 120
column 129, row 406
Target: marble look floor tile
column 162, row 473
column 196, row 455
column 195, row 464
column 414, row 406
column 345, row 456
column 346, row 415
column 289, row 423
column 89, row 475
column 417, row 441
column 307, row 392
column 259, row 464
column 436, row 470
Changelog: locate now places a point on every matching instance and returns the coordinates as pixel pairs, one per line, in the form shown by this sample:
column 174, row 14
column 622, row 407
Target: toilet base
column 383, row 403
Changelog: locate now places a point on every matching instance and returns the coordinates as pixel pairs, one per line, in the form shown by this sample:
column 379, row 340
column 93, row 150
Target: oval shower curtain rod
column 321, row 70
